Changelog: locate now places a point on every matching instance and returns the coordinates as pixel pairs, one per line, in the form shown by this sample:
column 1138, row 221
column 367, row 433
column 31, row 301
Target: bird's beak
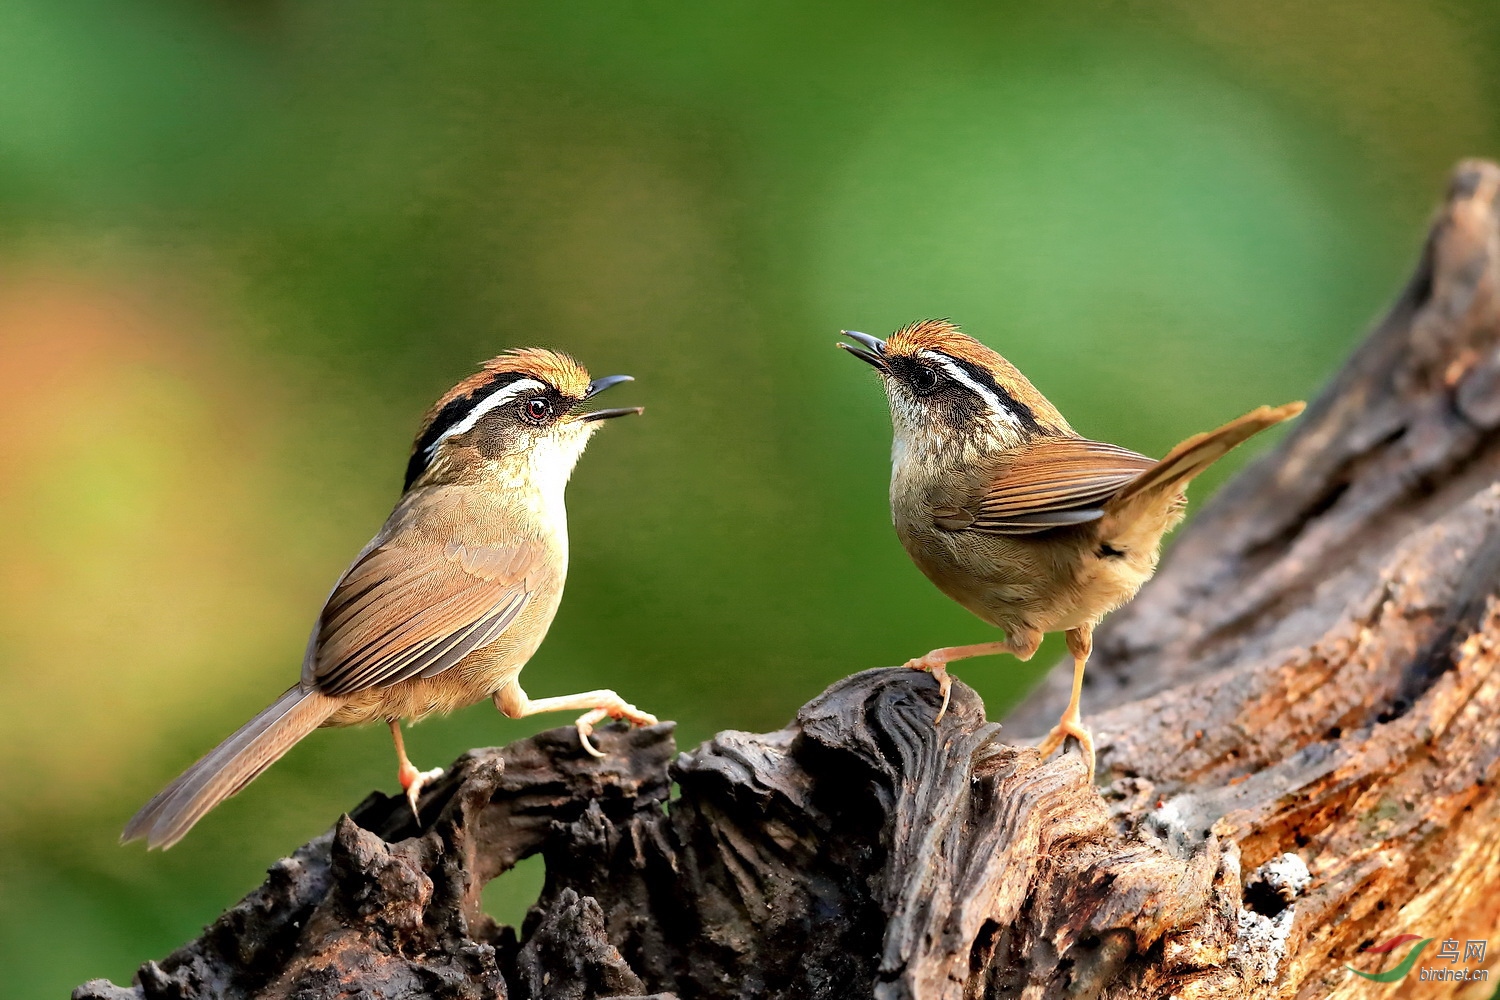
column 875, row 356
column 619, row 411
column 599, row 385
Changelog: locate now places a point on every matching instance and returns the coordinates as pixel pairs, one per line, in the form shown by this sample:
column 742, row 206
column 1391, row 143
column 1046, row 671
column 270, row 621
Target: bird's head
column 523, row 411
column 951, row 394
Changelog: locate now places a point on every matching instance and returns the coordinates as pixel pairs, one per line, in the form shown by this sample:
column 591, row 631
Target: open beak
column 599, row 385
column 619, row 411
column 873, row 357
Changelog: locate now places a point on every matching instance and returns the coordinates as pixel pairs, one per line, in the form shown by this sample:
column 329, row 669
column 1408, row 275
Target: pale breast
column 1049, row 582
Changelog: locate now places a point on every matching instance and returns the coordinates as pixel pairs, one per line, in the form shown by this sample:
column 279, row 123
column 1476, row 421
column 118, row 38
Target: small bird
column 1013, row 514
column 451, row 597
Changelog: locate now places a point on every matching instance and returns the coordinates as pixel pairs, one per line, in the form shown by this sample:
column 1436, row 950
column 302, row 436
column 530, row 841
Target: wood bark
column 1297, row 725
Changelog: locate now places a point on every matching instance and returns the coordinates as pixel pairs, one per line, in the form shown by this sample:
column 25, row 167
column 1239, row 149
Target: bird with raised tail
column 451, row 597
column 1011, row 513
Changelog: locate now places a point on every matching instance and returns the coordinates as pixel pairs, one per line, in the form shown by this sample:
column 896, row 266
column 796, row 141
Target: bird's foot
column 1070, row 725
column 618, row 709
column 412, row 781
column 938, row 668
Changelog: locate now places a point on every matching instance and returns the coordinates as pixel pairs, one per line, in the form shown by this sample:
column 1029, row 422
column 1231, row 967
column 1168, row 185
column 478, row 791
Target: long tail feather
column 229, row 767
column 1198, row 452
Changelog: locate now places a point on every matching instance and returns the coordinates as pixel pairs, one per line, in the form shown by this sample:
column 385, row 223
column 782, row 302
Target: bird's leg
column 1020, row 643
column 514, row 703
column 411, row 779
column 1080, row 643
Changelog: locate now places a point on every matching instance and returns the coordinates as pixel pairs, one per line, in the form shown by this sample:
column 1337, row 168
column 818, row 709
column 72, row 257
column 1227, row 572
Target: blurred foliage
column 244, row 244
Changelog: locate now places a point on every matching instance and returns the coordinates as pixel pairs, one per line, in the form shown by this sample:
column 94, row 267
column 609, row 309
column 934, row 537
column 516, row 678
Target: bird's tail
column 1198, row 452
column 229, row 767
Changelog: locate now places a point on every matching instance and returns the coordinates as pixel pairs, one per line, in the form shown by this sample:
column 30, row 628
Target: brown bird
column 451, row 597
column 1014, row 515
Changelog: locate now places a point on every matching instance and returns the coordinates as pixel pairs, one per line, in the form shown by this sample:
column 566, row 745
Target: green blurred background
column 243, row 245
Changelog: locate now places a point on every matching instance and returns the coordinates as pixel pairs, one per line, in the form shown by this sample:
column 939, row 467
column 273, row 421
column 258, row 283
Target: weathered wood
column 1299, row 748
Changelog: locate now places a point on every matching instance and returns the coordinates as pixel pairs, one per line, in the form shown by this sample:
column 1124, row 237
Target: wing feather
column 1055, row 483
column 400, row 613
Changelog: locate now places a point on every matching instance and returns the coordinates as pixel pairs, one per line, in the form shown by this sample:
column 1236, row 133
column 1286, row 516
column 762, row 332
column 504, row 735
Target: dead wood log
column 1298, row 757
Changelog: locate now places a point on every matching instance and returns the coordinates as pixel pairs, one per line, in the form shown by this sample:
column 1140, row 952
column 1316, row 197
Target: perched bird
column 1014, row 515
column 451, row 597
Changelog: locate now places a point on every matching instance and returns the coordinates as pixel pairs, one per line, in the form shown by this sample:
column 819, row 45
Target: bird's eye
column 538, row 409
column 924, row 380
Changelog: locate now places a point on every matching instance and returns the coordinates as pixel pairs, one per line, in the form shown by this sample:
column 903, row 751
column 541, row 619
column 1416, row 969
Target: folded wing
column 400, row 613
column 1055, row 483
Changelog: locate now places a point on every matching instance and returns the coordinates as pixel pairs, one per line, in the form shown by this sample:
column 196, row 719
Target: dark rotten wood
column 1298, row 757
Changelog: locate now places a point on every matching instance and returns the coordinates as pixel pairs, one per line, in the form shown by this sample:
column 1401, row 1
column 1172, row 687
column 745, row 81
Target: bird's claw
column 412, row 781
column 622, row 710
column 1070, row 726
column 939, row 671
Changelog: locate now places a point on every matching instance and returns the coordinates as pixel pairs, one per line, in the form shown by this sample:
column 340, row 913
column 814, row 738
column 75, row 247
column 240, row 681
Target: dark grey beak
column 599, row 385
column 874, row 356
column 620, row 411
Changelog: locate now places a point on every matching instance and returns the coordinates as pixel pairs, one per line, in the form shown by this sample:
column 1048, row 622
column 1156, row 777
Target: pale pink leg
column 1080, row 644
column 411, row 779
column 602, row 704
column 1021, row 643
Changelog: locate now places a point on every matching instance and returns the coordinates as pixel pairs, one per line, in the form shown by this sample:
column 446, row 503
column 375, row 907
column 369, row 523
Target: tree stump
column 1298, row 736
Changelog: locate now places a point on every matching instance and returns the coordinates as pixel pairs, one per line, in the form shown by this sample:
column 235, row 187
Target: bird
column 451, row 597
column 1014, row 515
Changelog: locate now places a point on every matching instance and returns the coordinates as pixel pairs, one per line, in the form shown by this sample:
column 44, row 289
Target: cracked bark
column 1298, row 758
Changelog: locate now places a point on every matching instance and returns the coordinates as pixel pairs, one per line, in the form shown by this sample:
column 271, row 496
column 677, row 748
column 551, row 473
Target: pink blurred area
column 144, row 482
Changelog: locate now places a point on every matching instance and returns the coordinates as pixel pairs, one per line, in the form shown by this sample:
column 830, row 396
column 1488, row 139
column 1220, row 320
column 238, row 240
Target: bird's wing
column 401, row 612
column 1054, row 483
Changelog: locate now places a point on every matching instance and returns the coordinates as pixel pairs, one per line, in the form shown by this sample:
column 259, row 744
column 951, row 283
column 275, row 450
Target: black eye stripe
column 907, row 369
column 982, row 375
column 454, row 412
column 456, row 409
